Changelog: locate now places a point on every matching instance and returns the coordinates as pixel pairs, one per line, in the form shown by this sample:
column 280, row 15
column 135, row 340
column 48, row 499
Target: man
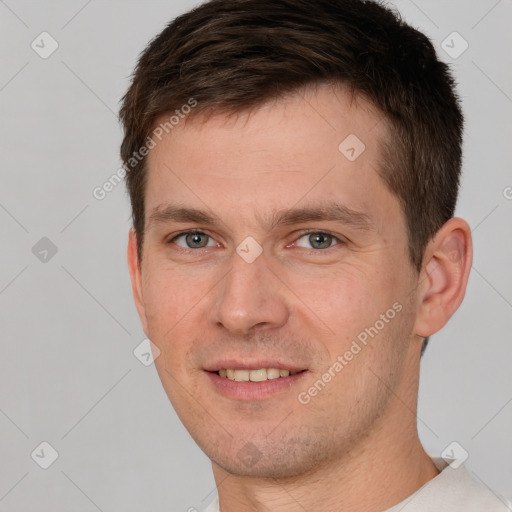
column 293, row 168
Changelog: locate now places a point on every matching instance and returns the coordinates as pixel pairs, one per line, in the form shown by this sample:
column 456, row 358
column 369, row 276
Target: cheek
column 366, row 313
column 173, row 311
column 346, row 299
column 172, row 302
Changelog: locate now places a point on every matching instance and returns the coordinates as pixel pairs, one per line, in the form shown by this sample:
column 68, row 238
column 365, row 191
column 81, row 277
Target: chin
column 285, row 460
column 262, row 469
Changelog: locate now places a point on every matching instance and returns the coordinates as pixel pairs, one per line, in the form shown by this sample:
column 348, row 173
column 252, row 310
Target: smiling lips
column 258, row 375
column 246, row 380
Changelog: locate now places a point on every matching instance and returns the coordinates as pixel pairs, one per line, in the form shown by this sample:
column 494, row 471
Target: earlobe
column 444, row 276
column 134, row 267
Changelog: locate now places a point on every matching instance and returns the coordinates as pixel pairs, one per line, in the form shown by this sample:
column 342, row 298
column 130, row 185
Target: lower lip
column 254, row 390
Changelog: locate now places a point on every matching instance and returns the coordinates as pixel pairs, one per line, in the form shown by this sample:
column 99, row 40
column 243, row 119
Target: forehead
column 320, row 144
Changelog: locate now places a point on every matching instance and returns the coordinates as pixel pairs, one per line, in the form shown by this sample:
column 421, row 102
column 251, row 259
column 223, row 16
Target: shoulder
column 453, row 490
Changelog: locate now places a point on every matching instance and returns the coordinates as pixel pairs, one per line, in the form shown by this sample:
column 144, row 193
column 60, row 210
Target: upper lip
column 247, row 364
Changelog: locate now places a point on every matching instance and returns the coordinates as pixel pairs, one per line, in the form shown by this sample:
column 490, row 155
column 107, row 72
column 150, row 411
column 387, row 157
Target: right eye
column 193, row 240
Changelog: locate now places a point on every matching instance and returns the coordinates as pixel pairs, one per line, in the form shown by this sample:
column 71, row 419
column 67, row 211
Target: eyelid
column 186, row 232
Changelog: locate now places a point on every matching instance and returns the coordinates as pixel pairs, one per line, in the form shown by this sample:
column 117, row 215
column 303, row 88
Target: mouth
column 258, row 375
column 254, row 381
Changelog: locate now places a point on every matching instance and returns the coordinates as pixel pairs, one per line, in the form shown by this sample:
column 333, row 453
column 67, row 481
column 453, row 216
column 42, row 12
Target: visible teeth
column 254, row 375
column 273, row 373
column 241, row 375
column 258, row 375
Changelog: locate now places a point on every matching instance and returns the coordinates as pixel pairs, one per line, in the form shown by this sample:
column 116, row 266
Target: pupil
column 195, row 239
column 320, row 239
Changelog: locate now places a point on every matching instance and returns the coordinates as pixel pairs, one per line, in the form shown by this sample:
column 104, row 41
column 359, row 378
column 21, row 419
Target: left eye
column 318, row 240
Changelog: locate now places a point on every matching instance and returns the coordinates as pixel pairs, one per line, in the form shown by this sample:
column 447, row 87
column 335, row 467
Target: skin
column 354, row 446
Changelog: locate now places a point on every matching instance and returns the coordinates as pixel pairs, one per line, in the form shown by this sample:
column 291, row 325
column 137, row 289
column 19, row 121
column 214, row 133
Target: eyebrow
column 331, row 211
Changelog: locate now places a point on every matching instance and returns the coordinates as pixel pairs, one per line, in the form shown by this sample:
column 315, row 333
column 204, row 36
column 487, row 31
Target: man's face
column 253, row 289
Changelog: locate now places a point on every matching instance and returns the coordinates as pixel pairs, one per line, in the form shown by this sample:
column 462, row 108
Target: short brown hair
column 234, row 55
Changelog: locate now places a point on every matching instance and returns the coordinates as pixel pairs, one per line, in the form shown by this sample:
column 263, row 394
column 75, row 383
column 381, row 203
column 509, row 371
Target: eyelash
column 300, row 235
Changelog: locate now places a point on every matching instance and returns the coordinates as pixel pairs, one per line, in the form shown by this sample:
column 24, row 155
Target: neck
column 369, row 481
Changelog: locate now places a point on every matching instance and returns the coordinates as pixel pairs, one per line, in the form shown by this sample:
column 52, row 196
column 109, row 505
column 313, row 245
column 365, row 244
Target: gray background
column 67, row 369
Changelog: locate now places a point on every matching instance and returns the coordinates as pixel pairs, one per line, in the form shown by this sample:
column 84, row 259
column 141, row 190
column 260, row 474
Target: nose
column 250, row 298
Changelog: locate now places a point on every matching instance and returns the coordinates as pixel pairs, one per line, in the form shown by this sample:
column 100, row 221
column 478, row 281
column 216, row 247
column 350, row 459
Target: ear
column 444, row 276
column 135, row 268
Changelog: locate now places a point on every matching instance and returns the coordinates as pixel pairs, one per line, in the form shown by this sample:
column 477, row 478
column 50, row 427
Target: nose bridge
column 250, row 294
